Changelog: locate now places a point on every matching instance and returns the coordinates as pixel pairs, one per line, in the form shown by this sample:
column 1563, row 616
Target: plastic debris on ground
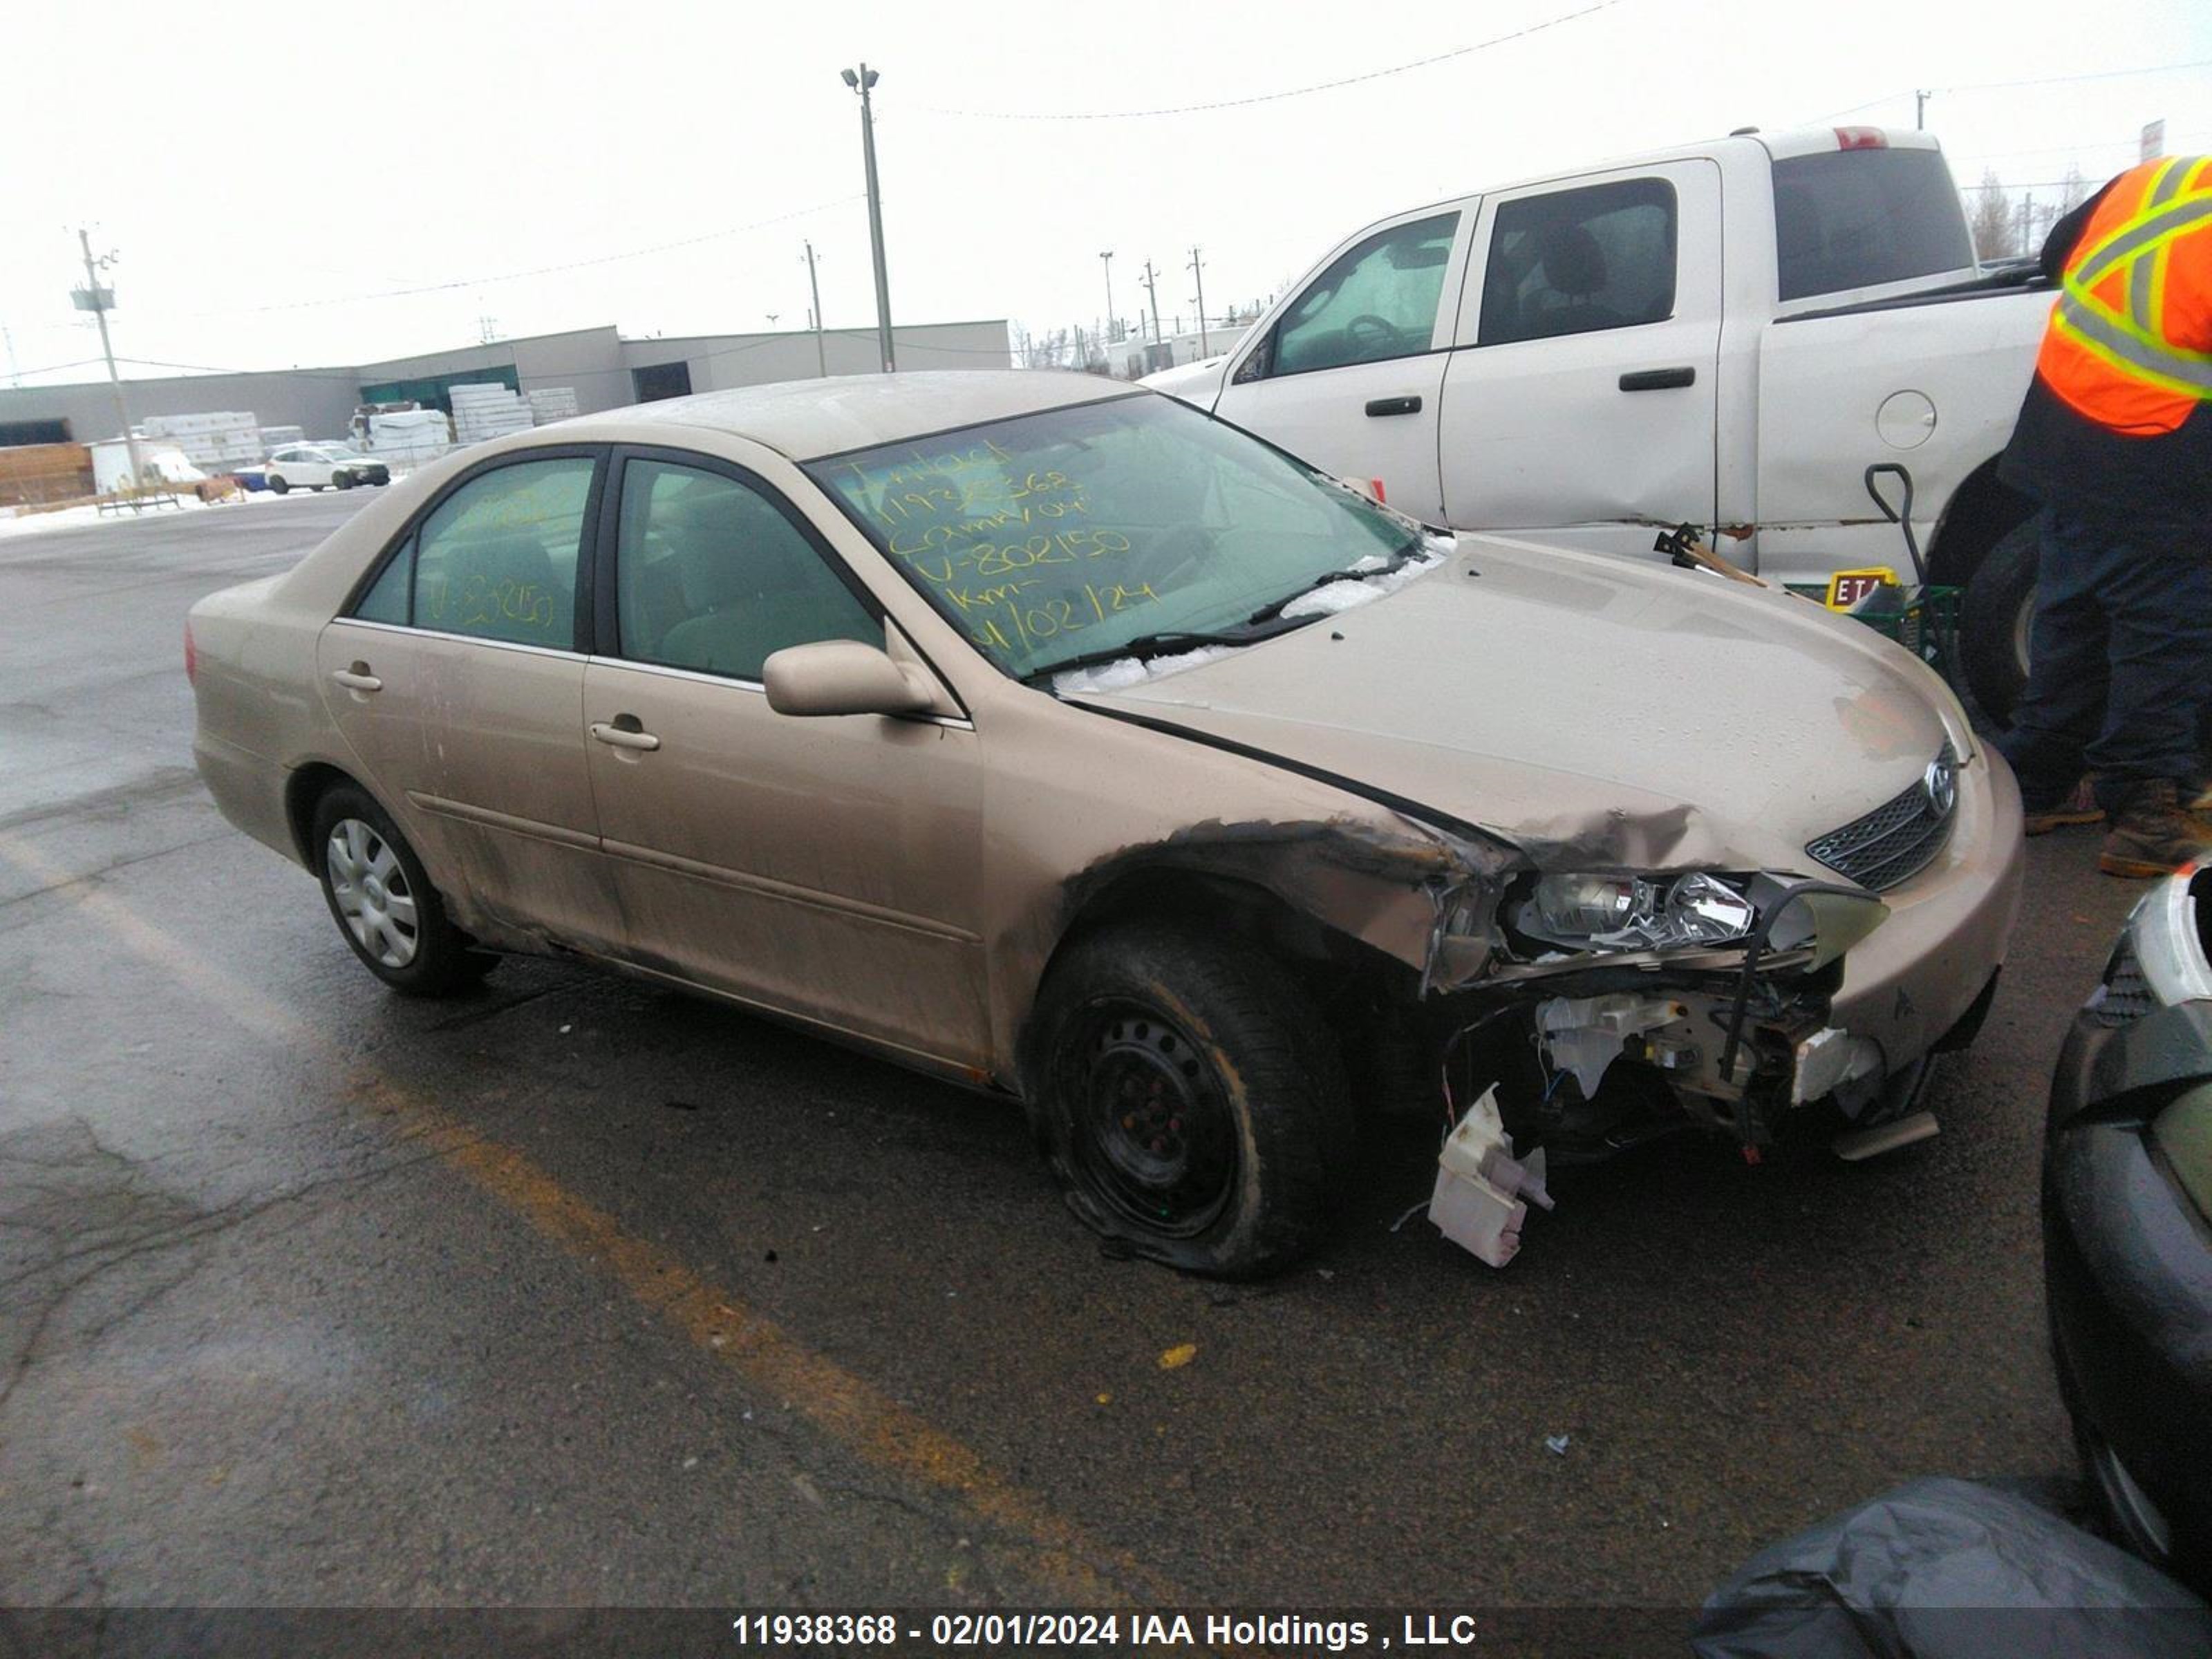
column 1557, row 1443
column 1483, row 1192
column 1179, row 1356
column 1942, row 1569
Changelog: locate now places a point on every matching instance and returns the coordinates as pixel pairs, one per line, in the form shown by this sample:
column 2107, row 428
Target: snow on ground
column 22, row 522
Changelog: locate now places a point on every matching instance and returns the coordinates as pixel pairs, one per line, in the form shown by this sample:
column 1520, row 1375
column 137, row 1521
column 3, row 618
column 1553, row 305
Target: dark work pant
column 2120, row 673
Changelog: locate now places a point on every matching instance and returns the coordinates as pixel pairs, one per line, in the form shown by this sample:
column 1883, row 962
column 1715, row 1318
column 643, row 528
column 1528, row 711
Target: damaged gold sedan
column 1063, row 740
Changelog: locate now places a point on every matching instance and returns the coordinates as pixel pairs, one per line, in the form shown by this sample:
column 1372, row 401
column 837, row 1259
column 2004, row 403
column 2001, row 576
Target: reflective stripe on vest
column 2133, row 341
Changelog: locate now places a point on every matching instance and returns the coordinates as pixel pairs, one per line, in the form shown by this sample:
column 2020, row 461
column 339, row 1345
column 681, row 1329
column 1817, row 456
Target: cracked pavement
column 264, row 1342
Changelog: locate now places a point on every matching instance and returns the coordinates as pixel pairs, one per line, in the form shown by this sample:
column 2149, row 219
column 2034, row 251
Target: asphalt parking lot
column 579, row 1293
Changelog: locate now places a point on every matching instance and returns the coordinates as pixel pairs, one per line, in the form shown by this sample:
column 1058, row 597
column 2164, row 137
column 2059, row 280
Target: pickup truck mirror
column 844, row 677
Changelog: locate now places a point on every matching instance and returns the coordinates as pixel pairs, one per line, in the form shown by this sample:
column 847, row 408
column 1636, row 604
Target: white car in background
column 315, row 466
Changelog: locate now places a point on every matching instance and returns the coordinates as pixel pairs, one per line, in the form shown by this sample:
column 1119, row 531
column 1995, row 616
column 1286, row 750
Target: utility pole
column 1198, row 271
column 1920, row 109
column 1152, row 288
column 814, row 287
column 861, row 83
column 100, row 301
column 1113, row 330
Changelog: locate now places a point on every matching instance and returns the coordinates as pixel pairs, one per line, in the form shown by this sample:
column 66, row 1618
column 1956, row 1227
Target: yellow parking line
column 850, row 1411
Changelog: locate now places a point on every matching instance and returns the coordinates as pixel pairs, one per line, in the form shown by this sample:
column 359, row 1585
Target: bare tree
column 1996, row 226
column 2073, row 190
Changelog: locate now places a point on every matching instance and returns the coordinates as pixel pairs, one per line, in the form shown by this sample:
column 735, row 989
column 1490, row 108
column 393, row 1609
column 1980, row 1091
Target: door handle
column 1394, row 406
column 1658, row 379
column 357, row 678
column 622, row 736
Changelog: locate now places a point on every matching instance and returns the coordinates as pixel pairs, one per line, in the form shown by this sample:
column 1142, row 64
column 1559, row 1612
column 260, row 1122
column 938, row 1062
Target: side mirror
column 844, row 677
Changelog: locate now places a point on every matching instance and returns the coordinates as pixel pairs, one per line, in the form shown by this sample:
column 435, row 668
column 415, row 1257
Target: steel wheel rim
column 374, row 899
column 1155, row 1134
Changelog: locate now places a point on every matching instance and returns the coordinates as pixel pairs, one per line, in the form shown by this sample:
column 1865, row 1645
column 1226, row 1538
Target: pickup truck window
column 1574, row 261
column 1377, row 300
column 1854, row 218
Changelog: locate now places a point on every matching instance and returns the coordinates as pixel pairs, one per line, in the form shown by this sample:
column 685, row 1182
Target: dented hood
column 1594, row 711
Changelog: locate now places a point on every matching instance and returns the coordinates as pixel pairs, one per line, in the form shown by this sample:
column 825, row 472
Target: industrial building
column 604, row 369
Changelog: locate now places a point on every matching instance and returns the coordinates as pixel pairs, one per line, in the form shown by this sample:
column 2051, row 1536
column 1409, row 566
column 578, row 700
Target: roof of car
column 808, row 419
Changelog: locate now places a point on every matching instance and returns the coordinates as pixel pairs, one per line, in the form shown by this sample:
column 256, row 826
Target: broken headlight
column 1635, row 913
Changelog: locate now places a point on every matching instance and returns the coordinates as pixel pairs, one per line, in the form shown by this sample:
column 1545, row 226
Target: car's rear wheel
column 1999, row 616
column 279, row 485
column 1189, row 1099
column 384, row 903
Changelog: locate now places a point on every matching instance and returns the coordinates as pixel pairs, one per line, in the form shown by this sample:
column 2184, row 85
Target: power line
column 1273, row 97
column 1999, row 86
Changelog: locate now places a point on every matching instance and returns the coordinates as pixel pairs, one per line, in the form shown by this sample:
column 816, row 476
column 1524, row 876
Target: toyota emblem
column 1941, row 784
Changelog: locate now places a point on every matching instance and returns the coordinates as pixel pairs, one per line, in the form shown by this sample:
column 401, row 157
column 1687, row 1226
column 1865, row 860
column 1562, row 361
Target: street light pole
column 813, row 287
column 97, row 301
column 1152, row 288
column 861, row 83
column 1198, row 270
column 1106, row 259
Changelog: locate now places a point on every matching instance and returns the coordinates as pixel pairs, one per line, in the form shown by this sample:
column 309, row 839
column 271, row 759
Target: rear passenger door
column 1346, row 375
column 827, row 867
column 477, row 610
column 1581, row 403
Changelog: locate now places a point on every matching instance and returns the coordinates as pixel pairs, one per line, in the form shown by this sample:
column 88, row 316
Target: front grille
column 1898, row 837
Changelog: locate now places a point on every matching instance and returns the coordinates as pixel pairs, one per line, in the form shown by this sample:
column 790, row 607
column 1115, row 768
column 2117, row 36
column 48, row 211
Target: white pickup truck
column 1726, row 335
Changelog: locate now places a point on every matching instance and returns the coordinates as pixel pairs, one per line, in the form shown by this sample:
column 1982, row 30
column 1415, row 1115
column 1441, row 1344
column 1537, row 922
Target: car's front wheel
column 1189, row 1099
column 342, row 480
column 279, row 485
column 384, row 903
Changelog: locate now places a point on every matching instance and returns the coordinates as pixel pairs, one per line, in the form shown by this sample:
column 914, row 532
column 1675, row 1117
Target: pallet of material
column 32, row 475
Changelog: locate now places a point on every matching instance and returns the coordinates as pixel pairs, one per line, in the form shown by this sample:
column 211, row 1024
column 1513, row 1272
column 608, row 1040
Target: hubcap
column 369, row 885
column 1161, row 1145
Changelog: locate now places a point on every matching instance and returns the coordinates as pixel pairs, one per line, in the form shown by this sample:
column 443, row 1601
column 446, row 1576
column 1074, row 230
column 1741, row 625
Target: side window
column 1577, row 260
column 497, row 560
column 710, row 576
column 386, row 600
column 1377, row 300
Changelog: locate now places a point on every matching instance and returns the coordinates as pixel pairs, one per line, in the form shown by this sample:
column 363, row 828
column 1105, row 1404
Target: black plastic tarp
column 1950, row 1569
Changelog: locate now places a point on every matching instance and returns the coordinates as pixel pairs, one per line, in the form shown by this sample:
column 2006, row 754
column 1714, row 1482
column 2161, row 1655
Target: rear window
column 1854, row 218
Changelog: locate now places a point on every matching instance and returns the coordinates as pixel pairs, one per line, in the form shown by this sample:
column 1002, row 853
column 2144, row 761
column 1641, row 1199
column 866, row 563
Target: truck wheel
column 1999, row 613
column 1188, row 1098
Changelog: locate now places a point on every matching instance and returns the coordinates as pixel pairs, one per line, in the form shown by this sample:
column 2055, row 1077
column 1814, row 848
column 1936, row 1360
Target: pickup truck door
column 1347, row 374
column 1580, row 405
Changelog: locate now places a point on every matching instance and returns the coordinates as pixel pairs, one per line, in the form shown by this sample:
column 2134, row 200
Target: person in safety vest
column 2115, row 442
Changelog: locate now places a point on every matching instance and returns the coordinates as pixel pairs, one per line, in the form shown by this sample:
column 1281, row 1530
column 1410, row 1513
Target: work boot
column 2153, row 834
column 2079, row 807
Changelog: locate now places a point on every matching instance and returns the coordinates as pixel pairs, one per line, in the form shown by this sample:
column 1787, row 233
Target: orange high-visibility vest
column 2129, row 345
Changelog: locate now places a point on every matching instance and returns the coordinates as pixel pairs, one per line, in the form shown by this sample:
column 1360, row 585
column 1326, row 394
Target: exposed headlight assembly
column 1635, row 913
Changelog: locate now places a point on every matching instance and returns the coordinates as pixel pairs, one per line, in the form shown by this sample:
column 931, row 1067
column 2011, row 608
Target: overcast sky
column 268, row 175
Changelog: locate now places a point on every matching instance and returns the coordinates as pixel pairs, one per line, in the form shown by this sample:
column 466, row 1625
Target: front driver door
column 826, row 867
column 1348, row 374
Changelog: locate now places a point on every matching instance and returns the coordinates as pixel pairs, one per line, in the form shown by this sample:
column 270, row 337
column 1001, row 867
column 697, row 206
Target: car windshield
column 1127, row 524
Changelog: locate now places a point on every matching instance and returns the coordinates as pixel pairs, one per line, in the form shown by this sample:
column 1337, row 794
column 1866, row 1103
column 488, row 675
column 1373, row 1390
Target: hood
column 1196, row 383
column 1596, row 711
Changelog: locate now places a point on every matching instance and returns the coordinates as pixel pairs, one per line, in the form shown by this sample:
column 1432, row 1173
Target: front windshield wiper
column 1143, row 646
column 1397, row 561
